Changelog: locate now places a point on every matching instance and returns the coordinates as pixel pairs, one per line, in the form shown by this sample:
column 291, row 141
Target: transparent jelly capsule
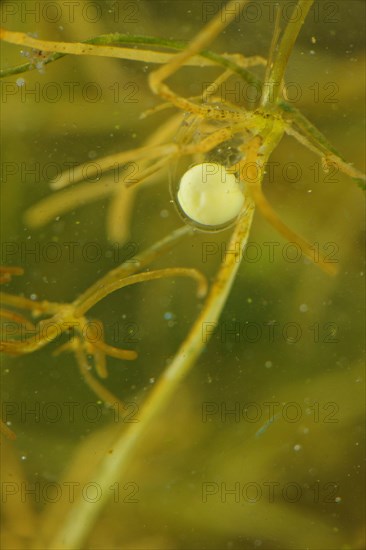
column 208, row 194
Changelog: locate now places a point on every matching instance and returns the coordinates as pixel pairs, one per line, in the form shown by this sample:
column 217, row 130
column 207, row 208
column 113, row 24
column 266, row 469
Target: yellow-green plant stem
column 272, row 87
column 233, row 62
column 83, row 514
column 65, row 315
column 134, row 264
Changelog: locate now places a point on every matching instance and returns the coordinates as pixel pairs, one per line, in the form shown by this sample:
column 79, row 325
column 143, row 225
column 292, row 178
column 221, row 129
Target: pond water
column 262, row 444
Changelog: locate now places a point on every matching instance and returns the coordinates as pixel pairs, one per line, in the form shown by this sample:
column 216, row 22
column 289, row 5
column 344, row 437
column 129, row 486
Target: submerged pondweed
column 277, row 386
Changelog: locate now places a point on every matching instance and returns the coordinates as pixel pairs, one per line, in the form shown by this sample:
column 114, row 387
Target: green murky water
column 263, row 445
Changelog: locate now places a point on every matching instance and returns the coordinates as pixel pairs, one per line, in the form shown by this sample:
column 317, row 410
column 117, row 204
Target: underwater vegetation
column 182, row 275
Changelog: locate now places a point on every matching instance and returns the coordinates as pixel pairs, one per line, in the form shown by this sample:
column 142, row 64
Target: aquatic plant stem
column 130, row 266
column 65, row 315
column 272, row 87
column 104, row 45
column 235, row 62
column 83, row 514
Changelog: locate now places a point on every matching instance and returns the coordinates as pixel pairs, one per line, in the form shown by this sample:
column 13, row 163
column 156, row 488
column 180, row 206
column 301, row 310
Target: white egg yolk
column 210, row 195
